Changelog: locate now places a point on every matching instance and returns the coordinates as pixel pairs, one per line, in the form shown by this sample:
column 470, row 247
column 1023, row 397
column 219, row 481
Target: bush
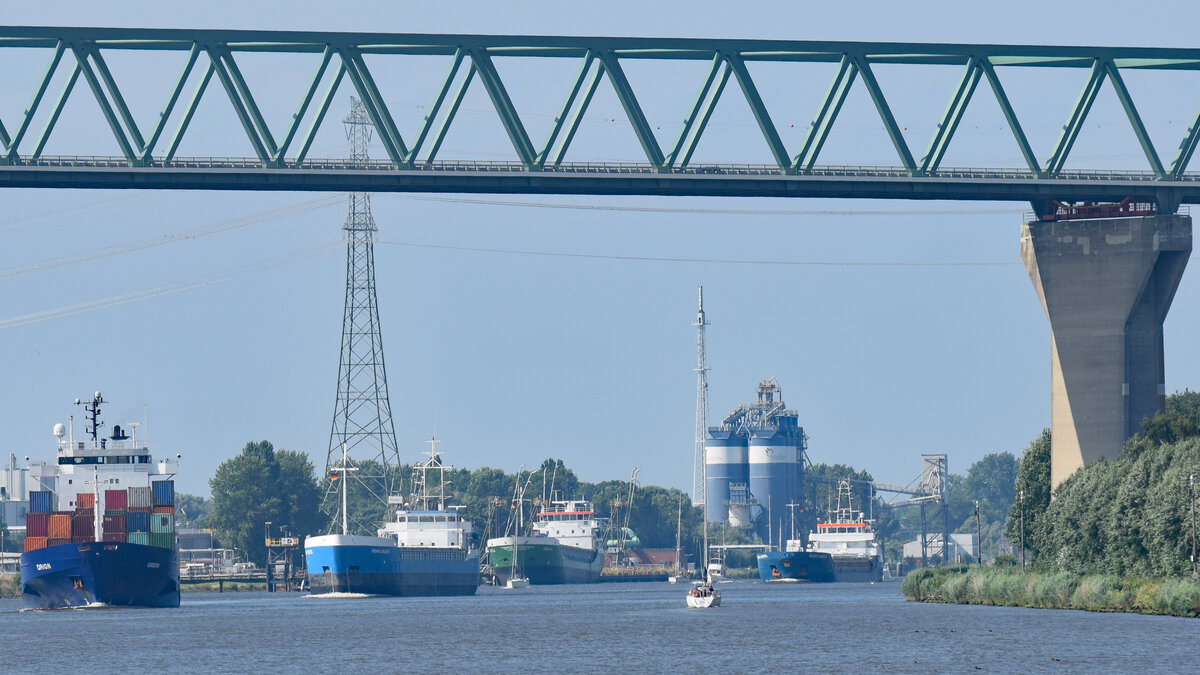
column 1179, row 597
column 918, row 584
column 1005, row 560
column 10, row 586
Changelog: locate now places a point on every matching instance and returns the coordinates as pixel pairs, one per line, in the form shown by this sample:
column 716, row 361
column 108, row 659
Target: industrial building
column 754, row 462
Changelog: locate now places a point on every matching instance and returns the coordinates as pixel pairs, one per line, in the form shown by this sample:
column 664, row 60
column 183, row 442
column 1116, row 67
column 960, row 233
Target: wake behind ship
column 104, row 531
column 423, row 551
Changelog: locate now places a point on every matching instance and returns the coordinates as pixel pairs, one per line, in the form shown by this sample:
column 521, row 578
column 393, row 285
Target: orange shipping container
column 60, row 526
column 85, row 500
column 34, row 543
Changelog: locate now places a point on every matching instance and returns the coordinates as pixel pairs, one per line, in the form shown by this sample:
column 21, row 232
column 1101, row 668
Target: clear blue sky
column 516, row 358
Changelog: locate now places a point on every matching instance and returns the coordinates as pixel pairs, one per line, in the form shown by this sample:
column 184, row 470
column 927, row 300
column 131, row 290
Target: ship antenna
column 92, row 414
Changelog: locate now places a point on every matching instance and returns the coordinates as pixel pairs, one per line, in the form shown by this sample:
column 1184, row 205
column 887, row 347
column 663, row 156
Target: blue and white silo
column 725, row 459
column 773, row 457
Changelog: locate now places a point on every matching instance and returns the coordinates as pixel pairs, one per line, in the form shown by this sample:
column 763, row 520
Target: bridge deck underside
column 598, row 179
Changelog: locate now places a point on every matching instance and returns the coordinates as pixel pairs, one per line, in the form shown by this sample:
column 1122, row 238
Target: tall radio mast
column 698, row 472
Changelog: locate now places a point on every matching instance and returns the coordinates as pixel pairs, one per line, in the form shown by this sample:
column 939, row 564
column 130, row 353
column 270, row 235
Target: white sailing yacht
column 518, row 580
column 702, row 594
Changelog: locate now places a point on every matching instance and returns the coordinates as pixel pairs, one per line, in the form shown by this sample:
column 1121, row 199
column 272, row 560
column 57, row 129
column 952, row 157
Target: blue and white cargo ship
column 842, row 549
column 425, row 550
column 102, row 531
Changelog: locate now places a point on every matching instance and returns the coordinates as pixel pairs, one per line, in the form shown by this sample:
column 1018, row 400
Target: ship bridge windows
column 105, row 459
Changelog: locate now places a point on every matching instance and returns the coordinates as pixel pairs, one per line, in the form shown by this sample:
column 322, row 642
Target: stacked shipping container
column 138, row 515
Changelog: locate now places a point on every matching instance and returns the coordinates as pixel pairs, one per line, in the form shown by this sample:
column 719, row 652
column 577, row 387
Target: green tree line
column 263, row 484
column 1130, row 516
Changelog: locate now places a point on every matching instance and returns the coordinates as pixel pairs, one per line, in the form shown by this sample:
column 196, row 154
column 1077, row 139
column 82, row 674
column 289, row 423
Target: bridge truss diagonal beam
column 350, row 57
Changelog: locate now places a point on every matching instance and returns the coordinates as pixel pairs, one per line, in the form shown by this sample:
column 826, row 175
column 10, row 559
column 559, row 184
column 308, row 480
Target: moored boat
column 104, row 531
column 849, row 539
column 425, row 550
column 564, row 548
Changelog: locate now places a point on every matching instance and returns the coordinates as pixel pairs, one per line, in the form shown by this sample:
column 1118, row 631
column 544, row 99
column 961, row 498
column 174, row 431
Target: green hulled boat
column 565, row 548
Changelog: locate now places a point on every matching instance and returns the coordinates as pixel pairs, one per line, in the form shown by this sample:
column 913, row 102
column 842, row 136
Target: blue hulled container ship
column 424, row 550
column 842, row 549
column 102, row 532
column 794, row 564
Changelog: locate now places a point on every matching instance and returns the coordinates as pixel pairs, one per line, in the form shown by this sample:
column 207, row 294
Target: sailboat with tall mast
column 678, row 573
column 518, row 580
column 702, row 595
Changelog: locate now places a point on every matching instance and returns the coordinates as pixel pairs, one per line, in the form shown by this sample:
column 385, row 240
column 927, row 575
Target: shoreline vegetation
column 1007, row 586
column 10, row 586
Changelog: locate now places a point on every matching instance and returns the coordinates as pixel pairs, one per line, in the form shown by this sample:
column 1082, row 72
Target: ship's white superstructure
column 571, row 522
column 117, row 462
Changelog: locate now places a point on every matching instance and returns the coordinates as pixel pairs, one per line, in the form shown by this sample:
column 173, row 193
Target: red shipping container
column 37, row 525
column 85, row 500
column 59, row 526
column 115, row 524
column 58, row 541
column 116, row 500
column 34, row 543
column 83, row 538
column 143, row 509
column 115, row 537
column 164, row 509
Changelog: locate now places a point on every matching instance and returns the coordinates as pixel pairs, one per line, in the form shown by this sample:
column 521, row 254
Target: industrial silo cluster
column 754, row 464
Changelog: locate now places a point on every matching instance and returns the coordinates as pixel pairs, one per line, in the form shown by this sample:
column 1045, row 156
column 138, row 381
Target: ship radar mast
column 92, row 414
column 422, row 495
column 342, row 470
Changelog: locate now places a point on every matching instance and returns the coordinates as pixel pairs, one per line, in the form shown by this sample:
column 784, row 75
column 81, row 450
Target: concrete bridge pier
column 1106, row 285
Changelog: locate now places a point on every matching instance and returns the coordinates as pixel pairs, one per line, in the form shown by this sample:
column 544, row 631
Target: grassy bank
column 1011, row 587
column 10, row 585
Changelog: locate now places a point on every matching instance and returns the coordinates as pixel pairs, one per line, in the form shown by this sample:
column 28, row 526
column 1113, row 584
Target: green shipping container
column 142, row 538
column 162, row 523
column 162, row 539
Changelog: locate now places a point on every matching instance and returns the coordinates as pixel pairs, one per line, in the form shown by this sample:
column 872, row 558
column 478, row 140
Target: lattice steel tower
column 698, row 473
column 362, row 418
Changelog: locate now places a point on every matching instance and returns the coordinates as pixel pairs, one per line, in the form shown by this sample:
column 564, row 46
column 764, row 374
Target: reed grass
column 1011, row 587
column 10, row 585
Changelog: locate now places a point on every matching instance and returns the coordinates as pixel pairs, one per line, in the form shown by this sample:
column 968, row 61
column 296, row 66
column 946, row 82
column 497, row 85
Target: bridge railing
column 234, row 163
column 78, row 56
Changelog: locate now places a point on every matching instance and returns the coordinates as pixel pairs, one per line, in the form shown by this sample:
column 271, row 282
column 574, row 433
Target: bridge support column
column 1106, row 285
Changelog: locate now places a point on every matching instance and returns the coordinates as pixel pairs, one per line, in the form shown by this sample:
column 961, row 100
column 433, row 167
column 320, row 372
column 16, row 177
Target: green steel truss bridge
column 282, row 161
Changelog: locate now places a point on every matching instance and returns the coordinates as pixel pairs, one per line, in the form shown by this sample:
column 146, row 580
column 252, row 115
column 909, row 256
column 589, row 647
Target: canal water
column 636, row 627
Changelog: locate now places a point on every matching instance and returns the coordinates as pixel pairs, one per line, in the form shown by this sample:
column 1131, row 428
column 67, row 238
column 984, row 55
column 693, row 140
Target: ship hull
column 546, row 563
column 857, row 569
column 110, row 573
column 796, row 566
column 390, row 570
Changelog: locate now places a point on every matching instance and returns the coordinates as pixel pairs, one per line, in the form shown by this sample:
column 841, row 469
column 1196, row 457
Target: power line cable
column 167, row 289
column 184, row 235
column 717, row 261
